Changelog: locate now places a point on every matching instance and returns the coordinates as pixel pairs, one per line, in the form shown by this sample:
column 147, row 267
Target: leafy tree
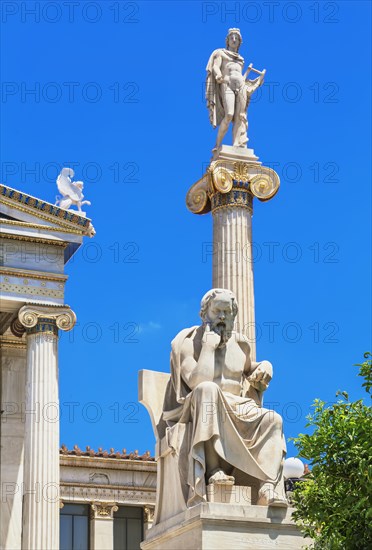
column 333, row 505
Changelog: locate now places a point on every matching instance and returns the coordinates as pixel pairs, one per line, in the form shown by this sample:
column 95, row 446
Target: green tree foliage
column 333, row 505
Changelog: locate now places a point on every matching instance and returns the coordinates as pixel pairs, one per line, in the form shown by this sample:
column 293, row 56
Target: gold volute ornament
column 197, row 197
column 196, row 200
column 265, row 186
column 222, row 179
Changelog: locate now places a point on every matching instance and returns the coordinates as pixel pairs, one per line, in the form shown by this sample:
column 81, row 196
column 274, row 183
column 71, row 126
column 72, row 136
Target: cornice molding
column 44, row 210
column 38, row 226
column 12, row 343
column 30, row 274
column 35, row 239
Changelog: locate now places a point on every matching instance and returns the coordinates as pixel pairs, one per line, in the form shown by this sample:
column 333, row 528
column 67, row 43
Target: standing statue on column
column 228, row 91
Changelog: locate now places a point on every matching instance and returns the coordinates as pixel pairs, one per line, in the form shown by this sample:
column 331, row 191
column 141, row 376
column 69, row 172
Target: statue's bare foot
column 219, row 476
column 267, row 496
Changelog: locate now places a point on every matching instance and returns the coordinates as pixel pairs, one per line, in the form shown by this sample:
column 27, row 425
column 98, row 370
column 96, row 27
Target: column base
column 217, row 526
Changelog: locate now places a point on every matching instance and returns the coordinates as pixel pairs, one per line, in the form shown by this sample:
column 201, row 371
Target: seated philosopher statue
column 216, row 425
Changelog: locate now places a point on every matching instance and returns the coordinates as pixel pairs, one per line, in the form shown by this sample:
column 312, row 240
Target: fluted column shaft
column 232, row 180
column 233, row 262
column 102, row 525
column 41, row 464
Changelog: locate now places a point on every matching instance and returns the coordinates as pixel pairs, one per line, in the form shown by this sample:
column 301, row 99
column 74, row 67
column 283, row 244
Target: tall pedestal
column 41, row 469
column 233, row 179
column 217, row 526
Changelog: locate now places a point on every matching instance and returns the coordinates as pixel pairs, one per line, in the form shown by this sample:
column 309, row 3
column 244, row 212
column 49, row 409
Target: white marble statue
column 216, row 424
column 228, row 91
column 72, row 191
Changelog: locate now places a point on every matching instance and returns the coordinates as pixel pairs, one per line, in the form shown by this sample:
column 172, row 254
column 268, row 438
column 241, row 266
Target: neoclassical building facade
column 52, row 497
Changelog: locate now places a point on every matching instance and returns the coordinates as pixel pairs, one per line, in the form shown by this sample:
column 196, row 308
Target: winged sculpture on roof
column 71, row 191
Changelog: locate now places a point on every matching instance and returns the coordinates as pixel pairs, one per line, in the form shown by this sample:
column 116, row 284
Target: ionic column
column 232, row 180
column 41, row 465
column 232, row 256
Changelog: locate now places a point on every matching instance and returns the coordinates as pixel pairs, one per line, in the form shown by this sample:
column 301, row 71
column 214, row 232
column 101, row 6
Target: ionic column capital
column 233, row 179
column 47, row 319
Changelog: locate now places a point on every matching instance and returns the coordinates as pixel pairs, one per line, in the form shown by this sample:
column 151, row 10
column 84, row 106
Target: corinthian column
column 41, row 471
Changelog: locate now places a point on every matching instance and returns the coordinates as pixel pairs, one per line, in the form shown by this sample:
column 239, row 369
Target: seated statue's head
column 233, row 40
column 218, row 309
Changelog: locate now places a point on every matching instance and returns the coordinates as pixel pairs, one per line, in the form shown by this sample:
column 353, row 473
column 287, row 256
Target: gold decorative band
column 236, row 197
column 31, row 274
column 44, row 325
column 35, row 239
column 12, row 343
column 38, row 226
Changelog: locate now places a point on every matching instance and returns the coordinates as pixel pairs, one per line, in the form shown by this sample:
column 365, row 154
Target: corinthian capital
column 46, row 318
column 103, row 510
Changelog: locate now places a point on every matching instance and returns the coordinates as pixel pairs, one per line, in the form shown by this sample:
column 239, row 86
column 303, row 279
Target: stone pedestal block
column 217, row 526
column 229, row 494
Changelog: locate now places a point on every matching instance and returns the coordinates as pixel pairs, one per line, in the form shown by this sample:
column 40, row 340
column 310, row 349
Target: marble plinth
column 229, row 152
column 229, row 494
column 217, row 526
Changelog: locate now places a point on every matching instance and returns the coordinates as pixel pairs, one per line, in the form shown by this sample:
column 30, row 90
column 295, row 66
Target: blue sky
column 116, row 90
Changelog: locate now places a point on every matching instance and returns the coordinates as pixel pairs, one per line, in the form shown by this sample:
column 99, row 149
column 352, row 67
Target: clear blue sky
column 119, row 94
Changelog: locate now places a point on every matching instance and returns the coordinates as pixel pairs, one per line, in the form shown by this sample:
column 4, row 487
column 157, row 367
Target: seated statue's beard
column 221, row 329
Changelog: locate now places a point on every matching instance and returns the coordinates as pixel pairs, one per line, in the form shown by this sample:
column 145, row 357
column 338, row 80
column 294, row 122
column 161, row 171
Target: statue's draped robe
column 214, row 96
column 213, row 90
column 245, row 435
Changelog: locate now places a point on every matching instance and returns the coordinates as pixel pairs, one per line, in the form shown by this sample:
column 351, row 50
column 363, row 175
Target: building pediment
column 37, row 240
column 36, row 213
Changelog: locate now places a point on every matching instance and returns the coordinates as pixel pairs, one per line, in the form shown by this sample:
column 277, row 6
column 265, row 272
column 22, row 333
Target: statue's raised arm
column 228, row 91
